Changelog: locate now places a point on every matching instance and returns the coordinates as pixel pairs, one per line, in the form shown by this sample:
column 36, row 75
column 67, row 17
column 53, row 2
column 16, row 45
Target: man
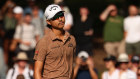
column 68, row 17
column 84, row 68
column 26, row 35
column 54, row 52
column 38, row 22
column 21, row 68
column 83, row 31
column 135, row 63
column 132, row 29
column 124, row 72
column 112, row 72
column 113, row 30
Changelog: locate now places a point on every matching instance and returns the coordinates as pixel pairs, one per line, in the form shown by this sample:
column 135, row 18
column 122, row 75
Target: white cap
column 83, row 54
column 123, row 58
column 18, row 10
column 22, row 56
column 51, row 10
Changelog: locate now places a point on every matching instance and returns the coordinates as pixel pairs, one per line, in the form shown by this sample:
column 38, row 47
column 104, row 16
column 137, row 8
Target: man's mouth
column 61, row 23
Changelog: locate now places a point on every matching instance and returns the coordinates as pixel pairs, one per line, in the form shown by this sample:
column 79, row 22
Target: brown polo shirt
column 56, row 55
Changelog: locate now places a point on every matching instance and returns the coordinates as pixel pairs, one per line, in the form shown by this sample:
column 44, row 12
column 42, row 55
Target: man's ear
column 48, row 22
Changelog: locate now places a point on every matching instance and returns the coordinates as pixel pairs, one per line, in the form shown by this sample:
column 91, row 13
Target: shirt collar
column 54, row 37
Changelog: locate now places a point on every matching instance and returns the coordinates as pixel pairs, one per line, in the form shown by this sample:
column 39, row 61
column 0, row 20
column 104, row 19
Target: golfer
column 54, row 52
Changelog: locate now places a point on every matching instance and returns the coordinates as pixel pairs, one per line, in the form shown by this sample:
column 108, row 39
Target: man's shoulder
column 44, row 40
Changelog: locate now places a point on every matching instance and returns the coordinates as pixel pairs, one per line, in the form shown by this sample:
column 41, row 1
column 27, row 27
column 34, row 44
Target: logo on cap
column 53, row 8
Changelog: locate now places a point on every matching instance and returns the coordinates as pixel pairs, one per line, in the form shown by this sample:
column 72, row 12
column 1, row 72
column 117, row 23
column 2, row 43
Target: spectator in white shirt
column 112, row 72
column 132, row 30
column 68, row 17
column 21, row 68
column 124, row 72
column 135, row 63
column 27, row 35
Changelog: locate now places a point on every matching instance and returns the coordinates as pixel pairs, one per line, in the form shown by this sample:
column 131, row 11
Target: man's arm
column 77, row 66
column 106, row 12
column 91, row 67
column 38, row 69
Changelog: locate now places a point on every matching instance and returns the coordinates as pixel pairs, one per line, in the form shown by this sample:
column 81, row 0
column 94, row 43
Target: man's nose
column 60, row 18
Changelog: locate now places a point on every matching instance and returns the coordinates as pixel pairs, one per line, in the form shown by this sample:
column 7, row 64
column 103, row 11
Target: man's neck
column 132, row 15
column 111, row 70
column 58, row 32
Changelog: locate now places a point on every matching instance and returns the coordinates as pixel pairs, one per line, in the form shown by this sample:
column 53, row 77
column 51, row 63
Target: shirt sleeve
column 17, row 32
column 9, row 74
column 40, row 51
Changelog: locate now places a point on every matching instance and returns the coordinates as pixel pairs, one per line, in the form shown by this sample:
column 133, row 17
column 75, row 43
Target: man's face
column 28, row 19
column 58, row 21
column 109, row 64
column 124, row 65
column 84, row 11
column 114, row 12
column 133, row 10
column 18, row 16
column 22, row 63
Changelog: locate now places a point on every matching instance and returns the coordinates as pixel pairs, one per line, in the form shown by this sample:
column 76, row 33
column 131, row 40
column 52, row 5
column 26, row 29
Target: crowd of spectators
column 21, row 28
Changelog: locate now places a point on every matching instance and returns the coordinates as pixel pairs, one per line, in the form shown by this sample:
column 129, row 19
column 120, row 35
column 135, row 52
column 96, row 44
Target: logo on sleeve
column 36, row 52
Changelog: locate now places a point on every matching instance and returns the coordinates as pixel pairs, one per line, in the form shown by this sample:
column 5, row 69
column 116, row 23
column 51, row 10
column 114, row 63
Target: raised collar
column 54, row 37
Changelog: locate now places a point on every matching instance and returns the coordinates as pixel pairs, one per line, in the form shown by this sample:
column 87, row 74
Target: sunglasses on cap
column 58, row 15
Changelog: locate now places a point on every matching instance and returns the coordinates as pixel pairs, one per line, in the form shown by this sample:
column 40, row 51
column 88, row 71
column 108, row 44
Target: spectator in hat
column 18, row 14
column 124, row 72
column 112, row 72
column 21, row 67
column 138, row 73
column 84, row 68
column 134, row 63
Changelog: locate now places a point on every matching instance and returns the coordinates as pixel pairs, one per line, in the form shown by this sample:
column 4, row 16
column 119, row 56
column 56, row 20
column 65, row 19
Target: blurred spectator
column 124, row 72
column 58, row 1
column 132, row 29
column 83, row 31
column 135, row 63
column 21, row 69
column 18, row 13
column 2, row 62
column 113, row 30
column 112, row 72
column 38, row 22
column 27, row 36
column 138, row 73
column 68, row 17
column 9, row 26
column 84, row 68
column 31, row 4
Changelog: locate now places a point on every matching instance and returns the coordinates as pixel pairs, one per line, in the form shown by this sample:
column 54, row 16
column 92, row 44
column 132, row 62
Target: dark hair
column 49, row 26
column 28, row 14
